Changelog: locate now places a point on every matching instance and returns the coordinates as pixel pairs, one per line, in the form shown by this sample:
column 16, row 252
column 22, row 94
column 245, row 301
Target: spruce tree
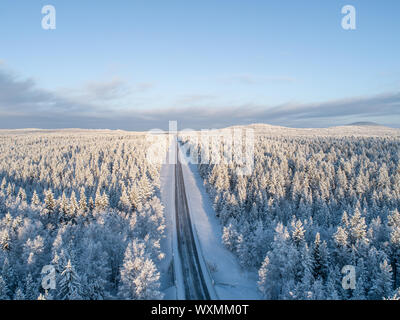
column 4, row 290
column 70, row 287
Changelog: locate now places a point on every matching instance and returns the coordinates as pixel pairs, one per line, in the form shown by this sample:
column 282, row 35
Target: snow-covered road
column 198, row 255
column 194, row 272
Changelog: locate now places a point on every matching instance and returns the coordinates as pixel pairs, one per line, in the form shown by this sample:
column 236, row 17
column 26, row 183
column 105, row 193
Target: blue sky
column 137, row 64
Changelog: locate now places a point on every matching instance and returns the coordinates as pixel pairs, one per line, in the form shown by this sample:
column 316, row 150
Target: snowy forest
column 312, row 204
column 86, row 203
column 89, row 203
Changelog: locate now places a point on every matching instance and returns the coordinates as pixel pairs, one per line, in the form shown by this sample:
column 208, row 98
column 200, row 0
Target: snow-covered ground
column 231, row 282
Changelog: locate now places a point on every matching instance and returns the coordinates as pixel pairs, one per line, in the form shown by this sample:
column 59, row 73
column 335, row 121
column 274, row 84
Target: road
column 193, row 278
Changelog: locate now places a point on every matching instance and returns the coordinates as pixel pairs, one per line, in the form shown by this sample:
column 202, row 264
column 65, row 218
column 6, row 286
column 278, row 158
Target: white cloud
column 251, row 79
column 144, row 86
column 23, row 104
column 107, row 90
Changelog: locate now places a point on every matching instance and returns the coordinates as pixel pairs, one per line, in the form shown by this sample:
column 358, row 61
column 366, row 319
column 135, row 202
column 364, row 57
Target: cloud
column 380, row 105
column 144, row 86
column 190, row 99
column 251, row 79
column 384, row 109
column 24, row 105
column 22, row 97
column 107, row 90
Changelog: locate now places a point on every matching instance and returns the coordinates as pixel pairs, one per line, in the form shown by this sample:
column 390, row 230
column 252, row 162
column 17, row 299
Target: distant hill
column 358, row 129
column 364, row 123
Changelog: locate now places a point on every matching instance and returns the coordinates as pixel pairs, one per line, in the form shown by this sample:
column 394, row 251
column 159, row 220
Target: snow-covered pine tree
column 263, row 279
column 19, row 294
column 31, row 289
column 320, row 259
column 35, row 199
column 139, row 276
column 382, row 284
column 69, row 287
column 4, row 291
column 82, row 202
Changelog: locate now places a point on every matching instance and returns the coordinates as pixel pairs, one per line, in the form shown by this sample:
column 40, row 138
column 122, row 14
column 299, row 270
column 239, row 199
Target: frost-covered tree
column 42, row 221
column 70, row 283
column 31, row 288
column 4, row 291
column 139, row 276
column 35, row 198
column 342, row 188
column 263, row 278
column 19, row 295
column 82, row 202
column 394, row 225
column 49, row 202
column 320, row 259
column 382, row 285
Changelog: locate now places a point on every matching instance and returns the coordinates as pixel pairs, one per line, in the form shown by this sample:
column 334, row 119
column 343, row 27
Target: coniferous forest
column 312, row 204
column 89, row 204
column 86, row 203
